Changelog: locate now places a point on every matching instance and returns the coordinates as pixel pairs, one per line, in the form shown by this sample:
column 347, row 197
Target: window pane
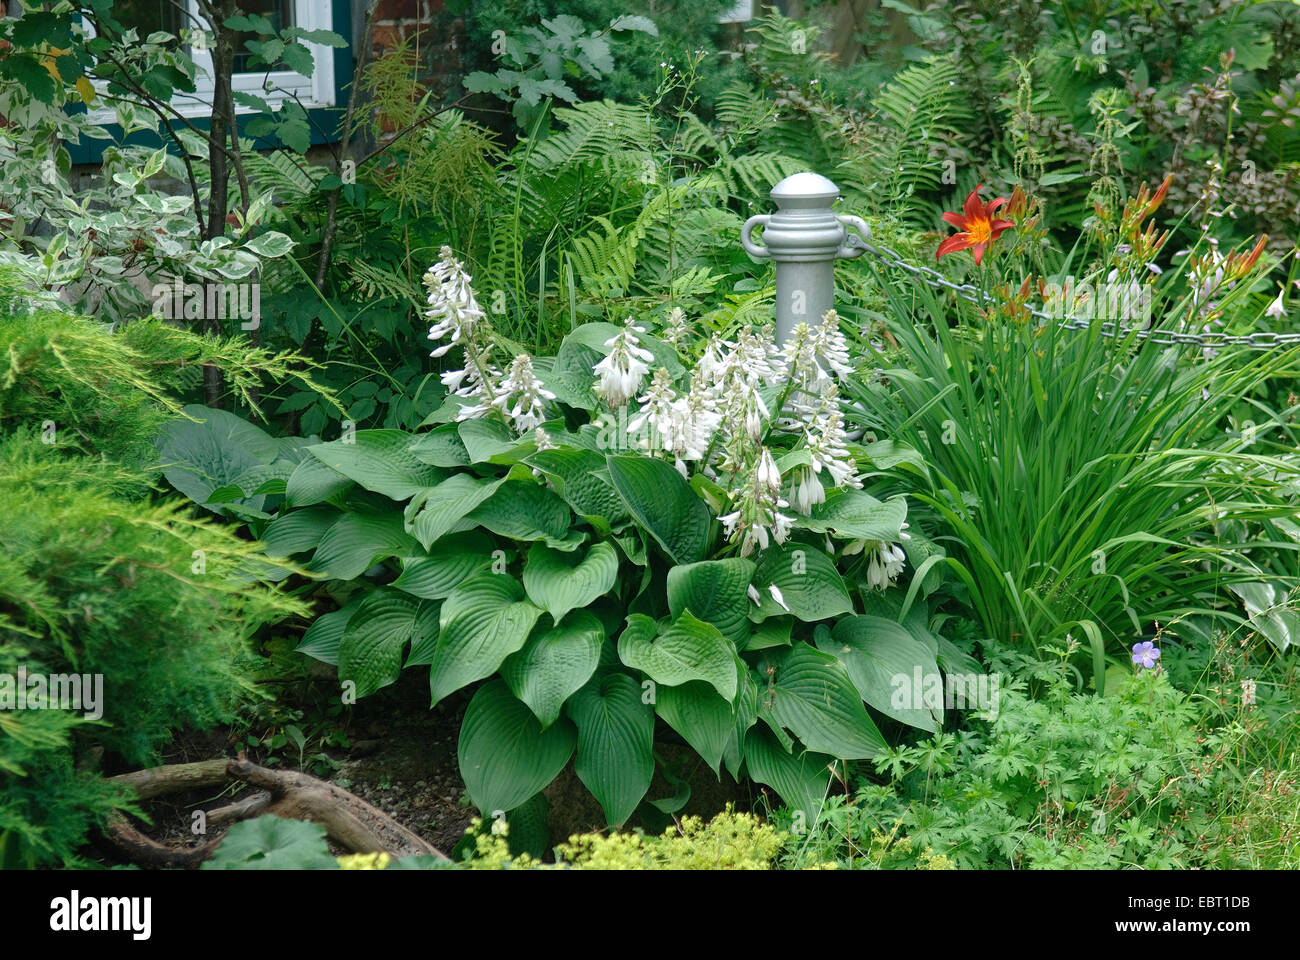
column 147, row 16
column 279, row 12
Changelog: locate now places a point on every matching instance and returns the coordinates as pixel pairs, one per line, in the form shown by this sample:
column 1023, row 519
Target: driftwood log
column 348, row 820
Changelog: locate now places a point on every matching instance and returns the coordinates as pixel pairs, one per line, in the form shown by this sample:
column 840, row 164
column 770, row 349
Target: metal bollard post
column 805, row 238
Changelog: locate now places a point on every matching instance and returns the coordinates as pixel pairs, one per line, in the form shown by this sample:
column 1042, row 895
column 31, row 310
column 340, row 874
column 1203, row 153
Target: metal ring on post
column 848, row 249
column 751, row 248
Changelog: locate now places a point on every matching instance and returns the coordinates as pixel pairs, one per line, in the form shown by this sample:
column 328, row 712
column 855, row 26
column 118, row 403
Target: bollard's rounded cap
column 805, row 191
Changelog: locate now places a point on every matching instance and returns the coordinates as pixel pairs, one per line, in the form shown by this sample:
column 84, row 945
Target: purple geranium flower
column 1146, row 654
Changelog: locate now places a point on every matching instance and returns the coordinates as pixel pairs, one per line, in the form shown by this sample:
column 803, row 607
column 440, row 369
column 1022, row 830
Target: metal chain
column 968, row 292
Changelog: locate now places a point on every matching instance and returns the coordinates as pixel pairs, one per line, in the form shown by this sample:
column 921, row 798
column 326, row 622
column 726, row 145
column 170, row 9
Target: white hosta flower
column 758, row 519
column 1277, row 309
column 775, row 591
column 452, row 305
column 656, row 404
column 674, row 329
column 543, row 440
column 807, row 489
column 755, row 595
column 528, row 394
column 623, row 369
column 885, row 563
column 825, row 438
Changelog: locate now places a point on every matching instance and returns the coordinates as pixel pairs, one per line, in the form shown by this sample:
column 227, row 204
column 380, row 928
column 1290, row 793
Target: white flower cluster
column 624, row 367
column 723, row 419
column 518, row 396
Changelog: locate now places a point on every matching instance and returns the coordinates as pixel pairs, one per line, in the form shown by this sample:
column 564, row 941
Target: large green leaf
column 432, row 513
column 485, row 438
column 505, row 756
column 615, row 743
column 883, row 659
column 810, row 585
column 323, row 638
column 370, row 654
column 484, row 620
column 380, row 460
column 457, row 558
column 801, row 778
column 555, row 663
column 663, row 504
column 689, row 649
column 313, row 482
column 572, row 471
column 209, row 452
column 814, row 699
column 559, row 582
column 703, row 718
column 524, row 509
column 442, row 447
column 855, row 515
column 297, row 531
column 716, row 591
column 358, row 540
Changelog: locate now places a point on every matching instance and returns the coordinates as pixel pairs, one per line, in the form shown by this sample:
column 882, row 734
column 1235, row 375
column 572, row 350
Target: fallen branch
column 348, row 820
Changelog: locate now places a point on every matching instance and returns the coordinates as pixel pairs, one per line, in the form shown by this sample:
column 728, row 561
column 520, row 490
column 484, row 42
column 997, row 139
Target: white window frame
column 312, row 92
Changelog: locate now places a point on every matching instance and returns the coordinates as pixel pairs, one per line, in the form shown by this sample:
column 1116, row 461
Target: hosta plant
column 645, row 536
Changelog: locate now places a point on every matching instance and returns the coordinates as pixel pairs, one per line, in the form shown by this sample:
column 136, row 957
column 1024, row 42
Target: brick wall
column 437, row 36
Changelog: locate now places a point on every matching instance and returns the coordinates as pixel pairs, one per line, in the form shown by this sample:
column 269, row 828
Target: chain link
column 968, row 292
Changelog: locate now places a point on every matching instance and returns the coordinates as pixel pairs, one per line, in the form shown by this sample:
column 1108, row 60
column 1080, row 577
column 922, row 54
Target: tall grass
column 1084, row 484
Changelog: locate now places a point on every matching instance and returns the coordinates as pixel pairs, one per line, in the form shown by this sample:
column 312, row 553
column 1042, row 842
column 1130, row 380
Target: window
column 275, row 86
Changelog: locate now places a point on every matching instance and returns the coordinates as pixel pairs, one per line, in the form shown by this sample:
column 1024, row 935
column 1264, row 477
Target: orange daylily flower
column 977, row 226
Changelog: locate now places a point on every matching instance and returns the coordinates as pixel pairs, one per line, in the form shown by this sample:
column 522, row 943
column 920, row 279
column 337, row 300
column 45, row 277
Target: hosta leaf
column 882, row 658
column 559, row 582
column 554, row 664
column 689, row 649
column 504, row 754
column 772, row 632
column 485, row 438
column 810, row 585
column 801, row 778
column 296, row 531
column 524, row 510
column 715, row 591
column 663, row 504
column 746, row 704
column 313, row 482
column 855, row 515
column 380, row 460
column 703, row 718
column 442, row 447
column 322, row 638
column 615, row 739
column 358, row 540
column 370, row 654
column 432, row 513
column 814, row 699
column 456, row 558
column 572, row 473
column 484, row 620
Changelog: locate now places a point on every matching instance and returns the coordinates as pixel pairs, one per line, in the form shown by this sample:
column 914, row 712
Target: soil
column 401, row 757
